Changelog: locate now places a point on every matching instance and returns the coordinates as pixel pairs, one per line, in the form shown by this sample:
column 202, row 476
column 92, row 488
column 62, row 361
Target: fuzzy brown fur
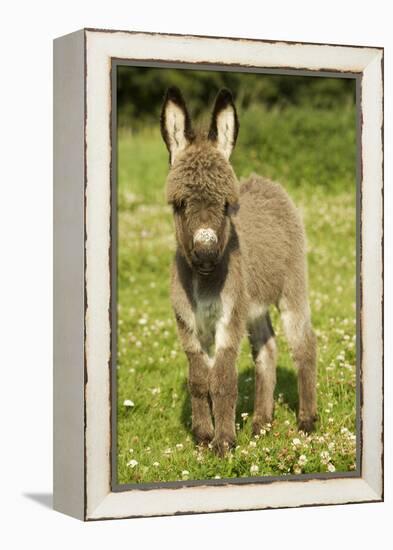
column 222, row 288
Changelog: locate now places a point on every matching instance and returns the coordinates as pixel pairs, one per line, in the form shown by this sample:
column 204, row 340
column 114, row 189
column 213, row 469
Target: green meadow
column 312, row 153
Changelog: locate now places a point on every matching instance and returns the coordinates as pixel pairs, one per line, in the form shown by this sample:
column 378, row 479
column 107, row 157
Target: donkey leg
column 264, row 351
column 223, row 392
column 198, row 384
column 303, row 344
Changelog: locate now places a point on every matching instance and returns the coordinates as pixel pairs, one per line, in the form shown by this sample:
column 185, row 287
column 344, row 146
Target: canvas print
column 236, row 269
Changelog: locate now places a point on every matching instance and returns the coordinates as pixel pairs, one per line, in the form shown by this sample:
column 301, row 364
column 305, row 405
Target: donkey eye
column 179, row 206
column 231, row 209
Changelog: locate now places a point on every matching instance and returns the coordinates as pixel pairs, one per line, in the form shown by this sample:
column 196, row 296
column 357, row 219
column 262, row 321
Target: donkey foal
column 239, row 250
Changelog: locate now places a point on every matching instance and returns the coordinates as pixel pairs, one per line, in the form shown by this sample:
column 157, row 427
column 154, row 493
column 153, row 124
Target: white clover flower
column 262, row 431
column 156, row 464
column 302, row 460
column 185, row 474
column 130, row 451
column 296, row 442
column 331, row 467
column 217, row 477
column 168, row 451
column 138, row 344
column 331, row 446
column 296, row 469
column 142, row 321
column 179, row 446
column 252, row 444
column 244, row 416
column 325, row 457
column 132, row 463
column 254, row 469
column 287, row 423
column 155, row 391
column 344, row 430
column 128, row 403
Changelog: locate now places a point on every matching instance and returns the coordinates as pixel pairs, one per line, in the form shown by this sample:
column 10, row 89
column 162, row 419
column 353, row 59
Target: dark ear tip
column 225, row 96
column 174, row 94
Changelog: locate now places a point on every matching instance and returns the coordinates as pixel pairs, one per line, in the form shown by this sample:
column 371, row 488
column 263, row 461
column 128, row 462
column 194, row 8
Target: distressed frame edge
column 372, row 268
column 236, row 38
column 373, row 496
column 359, row 492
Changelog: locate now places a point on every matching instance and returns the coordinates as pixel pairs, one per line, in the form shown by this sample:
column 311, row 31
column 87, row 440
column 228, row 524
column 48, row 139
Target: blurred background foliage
column 141, row 90
column 300, row 130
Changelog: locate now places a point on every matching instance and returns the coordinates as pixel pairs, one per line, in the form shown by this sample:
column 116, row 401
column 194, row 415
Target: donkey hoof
column 203, row 434
column 259, row 422
column 307, row 425
column 222, row 445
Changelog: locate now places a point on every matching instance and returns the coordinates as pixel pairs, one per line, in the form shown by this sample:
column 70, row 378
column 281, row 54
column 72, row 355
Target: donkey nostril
column 205, row 255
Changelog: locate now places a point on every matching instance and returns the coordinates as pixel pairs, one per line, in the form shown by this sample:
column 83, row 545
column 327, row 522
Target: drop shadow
column 185, row 416
column 287, row 385
column 45, row 499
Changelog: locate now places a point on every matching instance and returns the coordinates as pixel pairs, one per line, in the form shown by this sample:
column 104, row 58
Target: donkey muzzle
column 205, row 250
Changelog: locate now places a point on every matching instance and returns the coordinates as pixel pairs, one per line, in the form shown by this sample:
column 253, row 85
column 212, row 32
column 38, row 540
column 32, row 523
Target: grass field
column 313, row 154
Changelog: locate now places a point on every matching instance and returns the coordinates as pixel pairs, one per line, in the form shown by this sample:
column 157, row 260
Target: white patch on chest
column 207, row 315
column 212, row 321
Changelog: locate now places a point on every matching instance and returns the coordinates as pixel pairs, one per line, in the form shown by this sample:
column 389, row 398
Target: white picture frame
column 83, row 287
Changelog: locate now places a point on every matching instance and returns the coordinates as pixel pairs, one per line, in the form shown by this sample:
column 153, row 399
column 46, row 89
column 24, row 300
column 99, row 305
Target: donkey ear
column 224, row 125
column 175, row 123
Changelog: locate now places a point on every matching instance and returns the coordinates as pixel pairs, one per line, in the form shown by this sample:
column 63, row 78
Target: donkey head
column 201, row 185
